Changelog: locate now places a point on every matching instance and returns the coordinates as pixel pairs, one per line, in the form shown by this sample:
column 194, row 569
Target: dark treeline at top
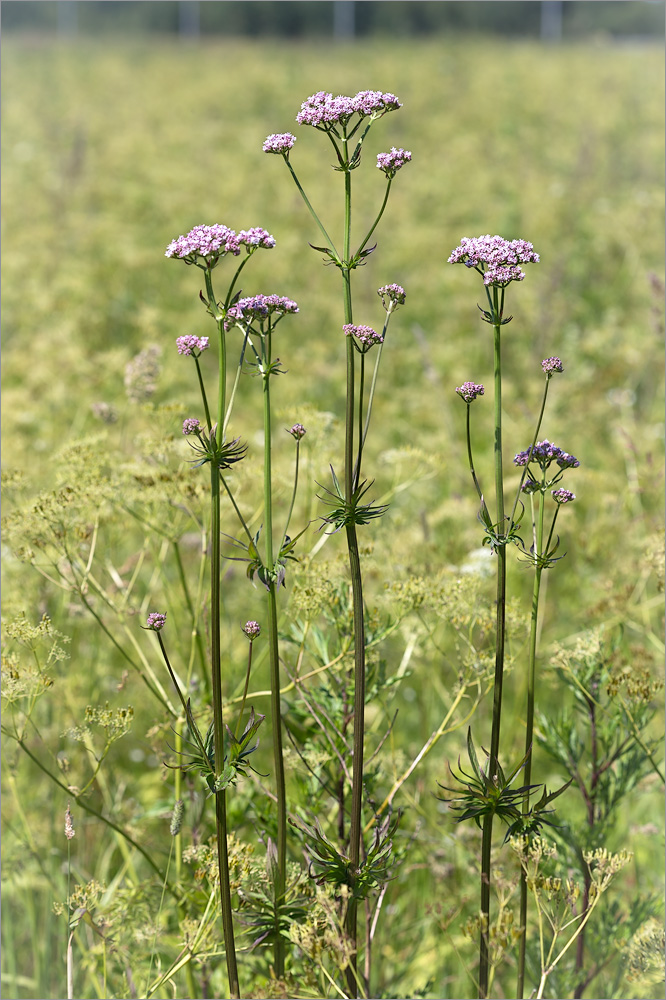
column 343, row 19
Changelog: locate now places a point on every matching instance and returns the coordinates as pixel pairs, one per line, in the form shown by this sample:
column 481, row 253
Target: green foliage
column 103, row 510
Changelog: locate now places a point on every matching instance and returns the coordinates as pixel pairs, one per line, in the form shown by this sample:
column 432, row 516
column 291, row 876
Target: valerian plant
column 488, row 793
column 346, row 122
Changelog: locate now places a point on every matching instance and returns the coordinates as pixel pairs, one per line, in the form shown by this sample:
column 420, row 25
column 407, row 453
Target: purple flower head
column 324, row 111
column 566, row 461
column 252, row 629
column 391, row 162
column 543, row 454
column 258, row 308
column 395, row 294
column 204, row 245
column 191, row 425
column 469, row 391
column 297, row 431
column 365, row 335
column 156, row 621
column 563, row 496
column 374, row 103
column 279, row 143
column 551, row 365
column 255, row 238
column 189, row 344
column 495, row 258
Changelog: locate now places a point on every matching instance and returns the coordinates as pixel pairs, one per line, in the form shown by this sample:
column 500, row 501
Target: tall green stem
column 529, row 734
column 274, row 661
column 359, row 624
column 499, row 656
column 218, row 724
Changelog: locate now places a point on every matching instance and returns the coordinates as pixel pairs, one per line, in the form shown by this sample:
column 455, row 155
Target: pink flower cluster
column 495, row 258
column 189, row 344
column 322, row 110
column 279, row 143
column 469, row 391
column 395, row 294
column 543, row 453
column 364, row 334
column 259, row 307
column 252, row 629
column 297, row 431
column 551, row 365
column 191, row 425
column 213, row 242
column 391, row 162
column 563, row 496
column 156, row 621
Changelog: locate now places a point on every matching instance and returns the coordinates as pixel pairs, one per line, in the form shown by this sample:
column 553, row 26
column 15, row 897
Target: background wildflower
column 156, row 621
column 469, row 391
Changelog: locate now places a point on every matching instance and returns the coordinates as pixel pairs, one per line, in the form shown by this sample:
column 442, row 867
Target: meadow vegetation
column 109, row 152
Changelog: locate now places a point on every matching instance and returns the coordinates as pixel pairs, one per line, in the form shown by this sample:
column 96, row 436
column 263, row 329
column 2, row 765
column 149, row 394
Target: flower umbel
column 365, row 335
column 543, row 453
column 156, row 621
column 469, row 391
column 205, row 246
column 279, row 143
column 551, row 365
column 495, row 258
column 191, row 425
column 563, row 496
column 189, row 344
column 392, row 296
column 297, row 431
column 252, row 630
column 391, row 162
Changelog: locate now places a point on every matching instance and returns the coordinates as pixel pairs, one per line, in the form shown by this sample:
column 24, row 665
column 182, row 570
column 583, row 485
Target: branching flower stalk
column 257, row 318
column 205, row 247
column 542, row 558
column 498, row 262
column 346, row 122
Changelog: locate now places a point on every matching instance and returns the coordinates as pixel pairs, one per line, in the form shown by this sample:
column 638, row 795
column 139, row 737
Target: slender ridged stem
column 529, row 734
column 359, row 624
column 309, row 206
column 274, row 661
column 203, row 395
column 493, row 760
column 222, row 345
column 218, row 724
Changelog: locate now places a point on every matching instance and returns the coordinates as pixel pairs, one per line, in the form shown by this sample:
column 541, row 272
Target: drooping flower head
column 279, row 143
column 297, row 431
column 156, row 621
column 551, row 365
column 469, row 391
column 191, row 345
column 205, row 246
column 543, row 453
column 258, row 308
column 495, row 258
column 191, row 425
column 70, row 832
column 391, row 162
column 392, row 296
column 563, row 496
column 323, row 111
column 365, row 335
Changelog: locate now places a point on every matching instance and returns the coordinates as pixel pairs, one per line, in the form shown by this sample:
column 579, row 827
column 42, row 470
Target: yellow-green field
column 110, row 150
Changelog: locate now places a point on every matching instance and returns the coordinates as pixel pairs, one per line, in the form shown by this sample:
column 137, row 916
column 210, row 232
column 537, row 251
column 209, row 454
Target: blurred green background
column 115, row 141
